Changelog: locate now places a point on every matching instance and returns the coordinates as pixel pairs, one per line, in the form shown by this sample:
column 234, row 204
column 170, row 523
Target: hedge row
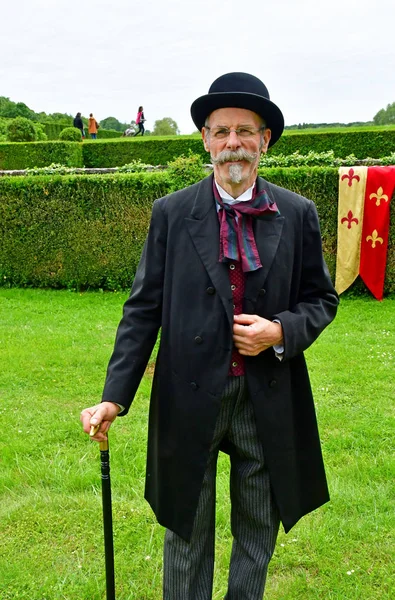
column 74, row 231
column 23, row 155
column 162, row 150
column 53, row 130
column 150, row 150
column 363, row 143
column 83, row 232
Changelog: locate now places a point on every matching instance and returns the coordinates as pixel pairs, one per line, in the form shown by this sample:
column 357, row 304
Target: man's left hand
column 253, row 334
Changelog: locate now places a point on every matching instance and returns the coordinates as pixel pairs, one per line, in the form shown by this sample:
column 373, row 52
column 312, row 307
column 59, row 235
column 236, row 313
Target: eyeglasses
column 222, row 133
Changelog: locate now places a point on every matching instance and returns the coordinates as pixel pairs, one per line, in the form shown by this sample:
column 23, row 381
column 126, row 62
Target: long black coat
column 181, row 286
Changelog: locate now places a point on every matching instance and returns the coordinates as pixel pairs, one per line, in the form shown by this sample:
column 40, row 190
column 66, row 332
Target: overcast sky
column 321, row 61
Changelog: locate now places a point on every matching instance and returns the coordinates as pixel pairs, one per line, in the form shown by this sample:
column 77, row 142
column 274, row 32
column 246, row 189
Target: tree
column 385, row 116
column 165, row 126
column 113, row 123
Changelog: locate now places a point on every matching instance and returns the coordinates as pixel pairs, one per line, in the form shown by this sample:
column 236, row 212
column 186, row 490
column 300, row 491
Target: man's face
column 235, row 156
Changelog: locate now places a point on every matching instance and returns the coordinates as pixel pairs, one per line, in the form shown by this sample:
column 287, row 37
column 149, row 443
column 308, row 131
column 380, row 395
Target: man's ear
column 267, row 134
column 206, row 139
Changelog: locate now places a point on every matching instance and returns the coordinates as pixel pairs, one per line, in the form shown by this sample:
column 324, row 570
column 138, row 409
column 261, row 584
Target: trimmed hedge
column 53, row 130
column 79, row 231
column 107, row 134
column 162, row 150
column 39, row 154
column 363, row 143
column 150, row 150
column 75, row 231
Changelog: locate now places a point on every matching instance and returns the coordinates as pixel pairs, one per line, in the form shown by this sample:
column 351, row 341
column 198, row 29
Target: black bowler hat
column 239, row 90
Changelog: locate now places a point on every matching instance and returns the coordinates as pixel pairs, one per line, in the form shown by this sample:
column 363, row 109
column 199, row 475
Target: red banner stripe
column 380, row 186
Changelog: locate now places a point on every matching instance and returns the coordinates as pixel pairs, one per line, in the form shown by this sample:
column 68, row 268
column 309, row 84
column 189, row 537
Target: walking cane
column 107, row 515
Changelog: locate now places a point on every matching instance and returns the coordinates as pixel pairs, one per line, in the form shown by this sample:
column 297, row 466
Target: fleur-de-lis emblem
column 350, row 176
column 375, row 238
column 379, row 196
column 350, row 219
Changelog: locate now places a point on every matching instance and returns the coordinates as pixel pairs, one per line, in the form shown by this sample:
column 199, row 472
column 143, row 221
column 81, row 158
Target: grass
column 54, row 346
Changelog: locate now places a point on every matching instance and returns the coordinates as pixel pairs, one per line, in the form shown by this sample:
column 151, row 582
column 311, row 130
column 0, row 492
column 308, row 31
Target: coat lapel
column 267, row 233
column 203, row 227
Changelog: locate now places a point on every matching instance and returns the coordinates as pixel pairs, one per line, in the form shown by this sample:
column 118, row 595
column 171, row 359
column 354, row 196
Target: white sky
column 321, row 61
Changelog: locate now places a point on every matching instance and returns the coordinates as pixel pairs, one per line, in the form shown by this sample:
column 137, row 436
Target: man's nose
column 233, row 140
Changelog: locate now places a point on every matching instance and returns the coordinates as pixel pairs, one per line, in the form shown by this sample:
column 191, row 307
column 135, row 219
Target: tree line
column 11, row 110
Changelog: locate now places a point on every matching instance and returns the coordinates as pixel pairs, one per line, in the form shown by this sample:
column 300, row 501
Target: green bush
column 80, row 231
column 161, row 151
column 53, row 129
column 3, row 129
column 70, row 134
column 75, row 231
column 21, row 129
column 361, row 143
column 103, row 134
column 40, row 154
column 184, row 171
column 151, row 150
column 41, row 136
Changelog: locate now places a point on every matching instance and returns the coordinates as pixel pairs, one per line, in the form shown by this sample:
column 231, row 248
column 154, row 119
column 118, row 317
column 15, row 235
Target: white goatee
column 235, row 172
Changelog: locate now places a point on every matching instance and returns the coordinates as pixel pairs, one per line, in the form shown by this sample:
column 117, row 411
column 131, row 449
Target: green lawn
column 54, row 346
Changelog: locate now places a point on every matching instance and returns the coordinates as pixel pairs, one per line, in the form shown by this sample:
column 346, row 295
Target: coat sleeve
column 142, row 312
column 317, row 300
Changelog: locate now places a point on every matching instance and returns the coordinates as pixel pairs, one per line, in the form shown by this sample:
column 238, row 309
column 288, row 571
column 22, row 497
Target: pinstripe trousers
column 189, row 567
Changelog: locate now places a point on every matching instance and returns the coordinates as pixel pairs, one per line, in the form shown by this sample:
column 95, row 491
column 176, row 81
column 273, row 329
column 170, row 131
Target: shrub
column 75, row 231
column 53, row 169
column 21, row 129
column 151, row 150
column 40, row 154
column 79, row 231
column 41, row 136
column 361, row 143
column 184, row 171
column 136, row 166
column 70, row 134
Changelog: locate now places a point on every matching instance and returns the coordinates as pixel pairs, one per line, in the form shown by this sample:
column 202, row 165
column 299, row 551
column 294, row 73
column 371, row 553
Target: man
column 233, row 273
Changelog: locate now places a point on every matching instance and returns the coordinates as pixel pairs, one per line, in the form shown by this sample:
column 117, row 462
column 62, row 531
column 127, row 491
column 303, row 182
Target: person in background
column 130, row 131
column 233, row 275
column 93, row 126
column 78, row 123
column 140, row 121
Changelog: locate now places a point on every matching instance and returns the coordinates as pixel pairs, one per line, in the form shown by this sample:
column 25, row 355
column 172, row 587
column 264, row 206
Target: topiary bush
column 21, row 130
column 70, row 134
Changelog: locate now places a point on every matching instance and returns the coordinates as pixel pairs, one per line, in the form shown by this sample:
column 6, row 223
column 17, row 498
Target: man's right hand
column 102, row 414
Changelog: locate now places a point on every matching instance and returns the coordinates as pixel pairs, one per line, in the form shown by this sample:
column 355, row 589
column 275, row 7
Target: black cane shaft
column 107, row 524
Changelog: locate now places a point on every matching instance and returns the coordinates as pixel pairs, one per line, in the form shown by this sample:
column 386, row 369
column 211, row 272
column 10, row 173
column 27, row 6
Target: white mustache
column 233, row 156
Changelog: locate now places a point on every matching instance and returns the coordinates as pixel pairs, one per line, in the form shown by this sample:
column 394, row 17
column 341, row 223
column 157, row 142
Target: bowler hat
column 239, row 90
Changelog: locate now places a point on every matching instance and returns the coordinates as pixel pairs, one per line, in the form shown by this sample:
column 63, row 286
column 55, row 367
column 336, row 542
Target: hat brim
column 272, row 115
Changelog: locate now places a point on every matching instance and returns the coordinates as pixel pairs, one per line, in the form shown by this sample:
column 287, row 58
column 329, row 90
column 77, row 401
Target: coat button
column 272, row 383
column 194, row 385
column 210, row 290
column 262, row 292
column 198, row 339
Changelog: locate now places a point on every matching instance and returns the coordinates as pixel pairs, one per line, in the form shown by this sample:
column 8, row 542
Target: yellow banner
column 352, row 186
